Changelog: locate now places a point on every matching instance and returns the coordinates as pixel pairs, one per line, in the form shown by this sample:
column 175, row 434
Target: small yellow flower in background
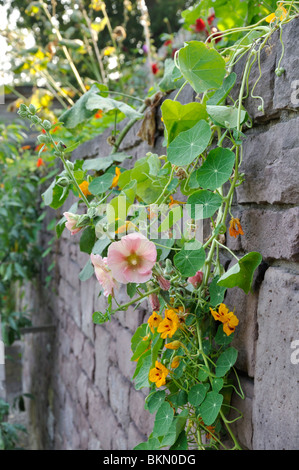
column 229, row 319
column 176, row 362
column 280, row 13
column 235, row 227
column 2, row 185
column 116, row 177
column 173, row 345
column 154, row 321
column 169, row 325
column 109, row 50
column 84, row 188
column 158, row 374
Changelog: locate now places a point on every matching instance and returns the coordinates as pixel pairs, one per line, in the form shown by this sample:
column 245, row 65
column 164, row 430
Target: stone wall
column 81, row 374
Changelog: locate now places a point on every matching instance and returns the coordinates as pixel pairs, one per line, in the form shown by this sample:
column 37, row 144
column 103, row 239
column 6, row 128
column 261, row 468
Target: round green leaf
column 210, row 408
column 226, row 361
column 189, row 144
column 163, row 420
column 197, row 394
column 217, row 168
column 155, row 401
column 209, row 201
column 203, row 67
column 226, row 116
column 179, row 117
column 216, row 292
column 101, row 184
column 188, row 262
column 241, row 274
column 217, row 384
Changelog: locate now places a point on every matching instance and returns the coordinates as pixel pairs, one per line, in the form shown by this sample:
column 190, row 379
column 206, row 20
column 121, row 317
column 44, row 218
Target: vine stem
column 126, row 129
column 146, row 294
column 237, row 445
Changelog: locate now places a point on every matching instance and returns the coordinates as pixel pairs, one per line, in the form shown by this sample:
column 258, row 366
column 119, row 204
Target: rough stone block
column 276, row 388
column 142, row 419
column 102, row 345
column 243, row 426
column 102, row 419
column 135, row 437
column 246, row 332
column 285, row 95
column 87, row 289
column 88, row 358
column 270, row 164
column 272, row 232
column 119, row 396
column 123, row 349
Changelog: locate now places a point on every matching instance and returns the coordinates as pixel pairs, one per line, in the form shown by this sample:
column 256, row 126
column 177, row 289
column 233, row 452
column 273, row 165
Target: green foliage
column 187, row 355
column 9, row 433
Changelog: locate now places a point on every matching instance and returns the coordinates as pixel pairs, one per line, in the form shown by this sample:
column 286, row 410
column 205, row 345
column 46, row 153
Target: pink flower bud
column 154, row 301
column 196, row 280
column 163, row 283
column 72, row 219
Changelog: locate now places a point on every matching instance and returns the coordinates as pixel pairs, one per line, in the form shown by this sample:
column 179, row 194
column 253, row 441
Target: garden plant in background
column 183, row 351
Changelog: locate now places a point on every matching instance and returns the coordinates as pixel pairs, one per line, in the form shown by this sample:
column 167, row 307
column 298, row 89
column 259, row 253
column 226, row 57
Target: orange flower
column 158, row 374
column 154, row 321
column 229, row 319
column 37, row 149
column 99, row 114
column 39, row 162
column 26, row 147
column 176, row 362
column 235, row 227
column 173, row 201
column 173, row 345
column 169, row 325
column 116, row 177
column 84, row 188
column 280, row 14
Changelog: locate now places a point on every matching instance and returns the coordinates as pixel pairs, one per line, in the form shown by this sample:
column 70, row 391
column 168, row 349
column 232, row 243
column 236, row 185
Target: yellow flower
column 280, row 13
column 169, row 325
column 158, row 374
column 109, row 50
column 229, row 319
column 176, row 362
column 116, row 177
column 154, row 321
column 173, row 345
column 84, row 188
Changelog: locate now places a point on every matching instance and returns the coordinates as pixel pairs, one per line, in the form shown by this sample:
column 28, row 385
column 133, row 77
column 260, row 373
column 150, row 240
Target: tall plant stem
column 64, row 48
column 95, row 45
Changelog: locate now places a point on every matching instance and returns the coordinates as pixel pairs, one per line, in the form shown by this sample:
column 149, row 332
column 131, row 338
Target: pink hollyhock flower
column 103, row 274
column 196, row 280
column 132, row 258
column 72, row 219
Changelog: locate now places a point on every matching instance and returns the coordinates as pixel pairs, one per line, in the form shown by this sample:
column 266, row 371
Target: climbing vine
column 142, row 228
